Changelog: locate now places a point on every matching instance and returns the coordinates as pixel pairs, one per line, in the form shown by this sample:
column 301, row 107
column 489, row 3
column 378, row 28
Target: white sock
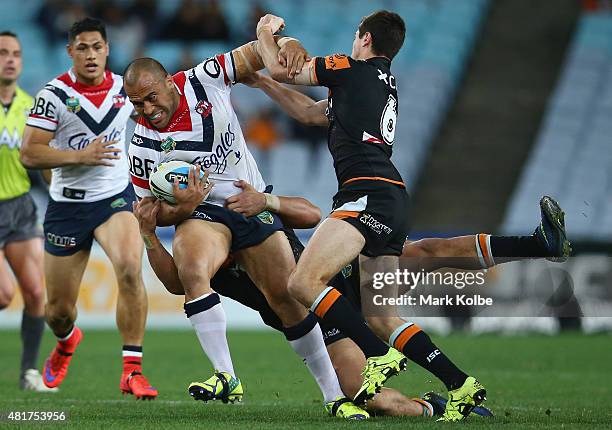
column 210, row 326
column 311, row 348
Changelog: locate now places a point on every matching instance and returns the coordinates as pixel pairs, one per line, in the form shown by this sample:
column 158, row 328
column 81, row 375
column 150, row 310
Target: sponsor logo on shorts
column 118, row 203
column 347, row 271
column 73, row 104
column 61, row 241
column 266, row 217
column 375, row 225
column 330, row 333
column 201, row 215
column 168, row 144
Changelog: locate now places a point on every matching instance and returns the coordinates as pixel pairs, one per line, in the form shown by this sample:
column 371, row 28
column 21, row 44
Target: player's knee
column 33, row 294
column 297, row 285
column 129, row 274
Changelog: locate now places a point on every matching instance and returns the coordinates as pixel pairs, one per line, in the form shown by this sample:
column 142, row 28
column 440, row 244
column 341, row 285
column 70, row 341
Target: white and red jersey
column 77, row 114
column 203, row 130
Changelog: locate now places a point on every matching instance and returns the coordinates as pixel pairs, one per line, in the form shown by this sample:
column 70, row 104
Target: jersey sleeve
column 143, row 159
column 46, row 111
column 332, row 70
column 218, row 71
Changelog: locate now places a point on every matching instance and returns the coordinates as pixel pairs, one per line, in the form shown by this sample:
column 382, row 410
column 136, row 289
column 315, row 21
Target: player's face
column 10, row 59
column 89, row 52
column 153, row 98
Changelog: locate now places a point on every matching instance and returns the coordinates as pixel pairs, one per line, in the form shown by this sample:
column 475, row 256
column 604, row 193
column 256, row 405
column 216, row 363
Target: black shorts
column 246, row 232
column 18, row 220
column 379, row 210
column 69, row 227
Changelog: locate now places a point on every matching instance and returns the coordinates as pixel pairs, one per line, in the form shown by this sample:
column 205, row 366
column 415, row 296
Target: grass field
column 533, row 381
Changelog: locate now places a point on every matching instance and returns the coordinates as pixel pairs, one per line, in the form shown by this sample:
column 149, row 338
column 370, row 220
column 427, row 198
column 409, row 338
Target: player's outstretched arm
column 296, row 212
column 294, row 73
column 296, row 104
column 37, row 154
column 161, row 261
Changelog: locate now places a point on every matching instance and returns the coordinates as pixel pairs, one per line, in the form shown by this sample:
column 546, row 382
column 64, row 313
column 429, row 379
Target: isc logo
column 433, row 355
column 182, row 177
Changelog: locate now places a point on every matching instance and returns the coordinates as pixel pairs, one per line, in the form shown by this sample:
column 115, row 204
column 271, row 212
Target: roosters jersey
column 203, row 130
column 77, row 114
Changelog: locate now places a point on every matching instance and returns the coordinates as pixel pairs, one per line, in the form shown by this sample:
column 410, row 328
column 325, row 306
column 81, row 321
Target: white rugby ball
column 162, row 179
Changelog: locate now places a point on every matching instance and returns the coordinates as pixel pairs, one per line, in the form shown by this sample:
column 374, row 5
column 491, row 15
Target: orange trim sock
column 337, row 311
column 418, row 347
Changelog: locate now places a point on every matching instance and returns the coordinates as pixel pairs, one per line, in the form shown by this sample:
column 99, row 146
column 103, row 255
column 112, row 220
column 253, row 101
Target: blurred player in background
column 190, row 117
column 20, row 233
column 77, row 128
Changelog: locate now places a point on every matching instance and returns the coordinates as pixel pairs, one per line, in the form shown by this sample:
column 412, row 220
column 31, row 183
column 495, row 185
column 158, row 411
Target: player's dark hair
column 388, row 31
column 86, row 24
column 8, row 33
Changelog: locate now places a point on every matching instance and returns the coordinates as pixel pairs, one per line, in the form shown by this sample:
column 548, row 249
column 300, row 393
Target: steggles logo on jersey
column 221, row 153
column 73, row 104
column 204, row 108
column 118, row 101
column 168, row 144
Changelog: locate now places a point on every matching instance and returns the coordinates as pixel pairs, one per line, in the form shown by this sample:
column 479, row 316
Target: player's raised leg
column 199, row 249
column 300, row 327
column 63, row 275
column 321, row 260
column 120, row 240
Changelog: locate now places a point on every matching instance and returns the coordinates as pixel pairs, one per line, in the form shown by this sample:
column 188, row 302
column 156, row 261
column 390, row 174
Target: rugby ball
column 162, row 179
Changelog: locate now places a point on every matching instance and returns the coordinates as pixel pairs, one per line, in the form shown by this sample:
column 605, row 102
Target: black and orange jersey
column 362, row 112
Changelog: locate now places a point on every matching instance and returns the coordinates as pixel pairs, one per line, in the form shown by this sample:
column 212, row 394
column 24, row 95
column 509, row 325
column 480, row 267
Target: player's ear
column 367, row 39
column 69, row 49
column 169, row 81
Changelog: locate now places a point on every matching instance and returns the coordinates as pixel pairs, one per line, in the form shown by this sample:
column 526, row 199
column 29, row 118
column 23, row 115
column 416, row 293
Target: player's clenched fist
column 273, row 22
column 292, row 55
column 99, row 152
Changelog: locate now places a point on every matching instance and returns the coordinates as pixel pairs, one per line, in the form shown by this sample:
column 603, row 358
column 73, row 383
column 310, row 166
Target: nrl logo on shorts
column 118, row 203
column 204, row 108
column 347, row 271
column 73, row 105
column 266, row 217
column 118, row 101
column 168, row 144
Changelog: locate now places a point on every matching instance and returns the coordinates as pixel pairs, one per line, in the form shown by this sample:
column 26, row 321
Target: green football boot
column 376, row 373
column 463, row 400
column 221, row 386
column 343, row 407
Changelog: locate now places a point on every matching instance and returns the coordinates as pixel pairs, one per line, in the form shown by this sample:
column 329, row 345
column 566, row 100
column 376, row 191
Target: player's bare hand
column 249, row 202
column 145, row 212
column 195, row 192
column 273, row 22
column 252, row 80
column 99, row 152
column 293, row 56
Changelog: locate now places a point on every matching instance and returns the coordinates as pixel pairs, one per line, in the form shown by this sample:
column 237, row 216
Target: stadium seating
column 428, row 69
column 572, row 157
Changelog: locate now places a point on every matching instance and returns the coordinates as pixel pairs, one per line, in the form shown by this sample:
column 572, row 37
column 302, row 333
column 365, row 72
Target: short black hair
column 388, row 31
column 8, row 33
column 86, row 24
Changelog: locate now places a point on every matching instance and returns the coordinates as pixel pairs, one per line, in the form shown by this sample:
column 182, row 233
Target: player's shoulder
column 338, row 61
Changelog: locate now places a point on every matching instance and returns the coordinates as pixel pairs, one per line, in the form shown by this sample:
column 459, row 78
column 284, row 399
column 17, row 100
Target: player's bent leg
column 430, row 254
column 63, row 275
column 322, row 259
column 126, row 257
column 26, row 259
column 269, row 265
column 199, row 249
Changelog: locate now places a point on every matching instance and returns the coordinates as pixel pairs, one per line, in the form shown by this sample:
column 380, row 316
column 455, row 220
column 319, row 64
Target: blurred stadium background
column 501, row 102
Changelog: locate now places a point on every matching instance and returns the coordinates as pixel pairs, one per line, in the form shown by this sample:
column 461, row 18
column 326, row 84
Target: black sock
column 337, row 311
column 418, row 347
column 494, row 250
column 32, row 329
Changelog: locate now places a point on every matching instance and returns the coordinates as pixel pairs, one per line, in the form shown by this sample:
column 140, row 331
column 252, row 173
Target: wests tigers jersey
column 77, row 114
column 203, row 130
column 362, row 113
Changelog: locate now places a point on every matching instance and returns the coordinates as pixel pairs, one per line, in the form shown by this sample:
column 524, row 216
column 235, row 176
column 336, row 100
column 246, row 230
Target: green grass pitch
column 533, row 382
